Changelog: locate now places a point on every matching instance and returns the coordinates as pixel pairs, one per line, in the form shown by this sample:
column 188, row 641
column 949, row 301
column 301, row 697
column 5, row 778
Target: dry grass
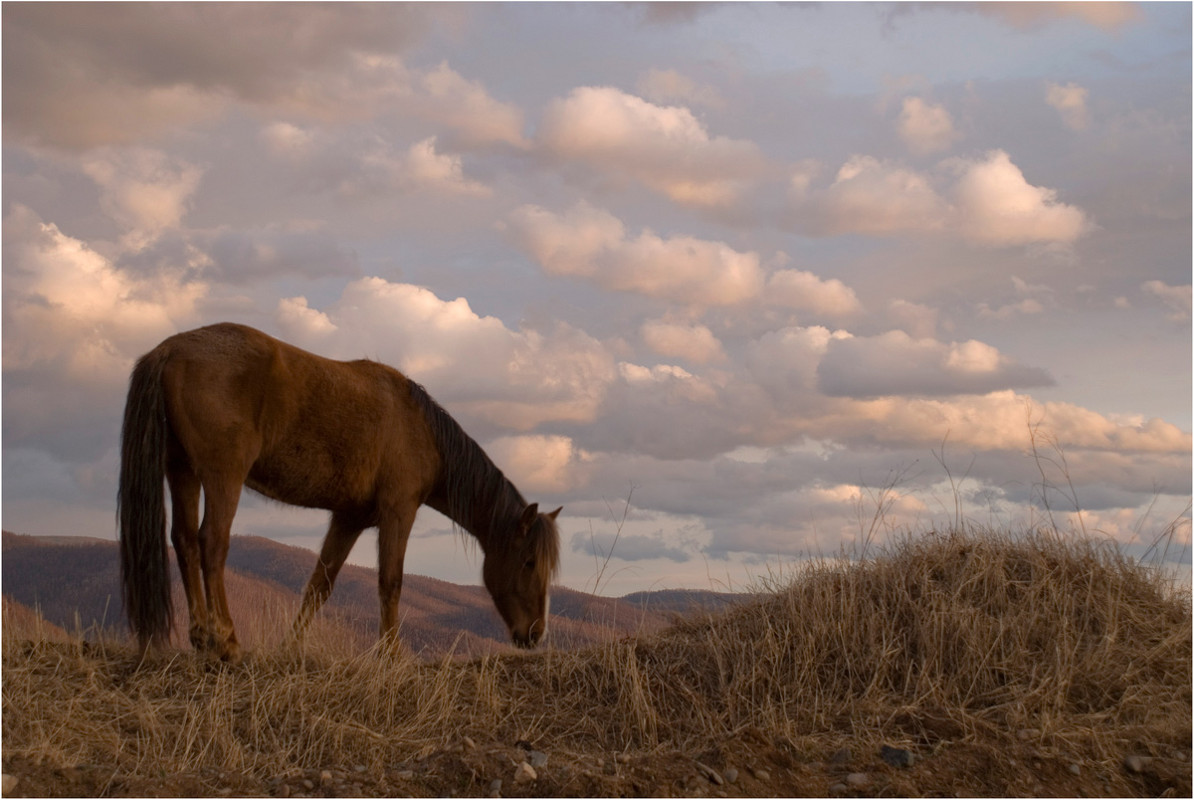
column 1002, row 663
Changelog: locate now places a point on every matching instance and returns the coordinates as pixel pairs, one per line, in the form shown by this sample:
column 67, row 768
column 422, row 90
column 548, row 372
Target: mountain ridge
column 72, row 582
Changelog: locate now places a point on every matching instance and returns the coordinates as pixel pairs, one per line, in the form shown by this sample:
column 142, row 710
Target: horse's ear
column 529, row 514
column 552, row 515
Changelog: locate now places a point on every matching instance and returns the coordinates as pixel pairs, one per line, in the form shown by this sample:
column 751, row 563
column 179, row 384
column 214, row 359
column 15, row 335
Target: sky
column 735, row 284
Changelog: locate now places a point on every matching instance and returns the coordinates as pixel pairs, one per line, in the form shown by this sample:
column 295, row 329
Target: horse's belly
column 309, row 488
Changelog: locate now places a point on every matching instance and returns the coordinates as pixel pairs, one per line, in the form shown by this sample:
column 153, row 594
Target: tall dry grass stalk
column 970, row 638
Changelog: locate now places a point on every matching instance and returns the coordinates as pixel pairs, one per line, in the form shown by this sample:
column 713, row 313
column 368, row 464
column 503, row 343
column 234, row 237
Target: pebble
column 838, row 789
column 525, row 773
column 468, row 743
column 1075, row 769
column 283, row 790
column 308, row 784
column 538, row 759
column 325, row 778
column 731, row 775
column 761, row 774
column 10, row 784
column 896, row 756
column 495, row 788
column 840, row 757
column 1024, row 734
column 857, row 780
column 1134, row 763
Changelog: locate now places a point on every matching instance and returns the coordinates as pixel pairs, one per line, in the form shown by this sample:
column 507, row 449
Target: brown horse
column 227, row 406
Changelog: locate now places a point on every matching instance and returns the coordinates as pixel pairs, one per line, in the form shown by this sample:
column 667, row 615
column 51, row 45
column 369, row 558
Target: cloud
column 475, row 364
column 692, row 342
column 988, row 201
column 113, row 75
column 1108, row 16
column 925, row 128
column 664, row 147
column 538, row 463
column 896, row 364
column 804, row 291
column 879, row 198
column 1070, row 102
column 1033, row 300
column 997, row 206
column 668, row 85
column 416, row 169
column 466, row 107
column 73, row 324
column 145, row 191
column 1174, row 298
column 592, row 244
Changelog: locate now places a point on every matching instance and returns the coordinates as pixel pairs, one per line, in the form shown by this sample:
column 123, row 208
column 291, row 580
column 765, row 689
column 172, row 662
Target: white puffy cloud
column 418, row 168
column 988, row 201
column 1108, row 16
column 511, row 379
column 804, row 291
column 465, row 106
column 996, row 205
column 925, row 128
column 665, row 147
column 539, row 463
column 592, row 244
column 692, row 342
column 70, row 310
column 894, row 363
column 1070, row 102
column 879, row 198
column 145, row 191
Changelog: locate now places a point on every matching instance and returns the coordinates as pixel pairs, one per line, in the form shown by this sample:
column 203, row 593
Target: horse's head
column 518, row 571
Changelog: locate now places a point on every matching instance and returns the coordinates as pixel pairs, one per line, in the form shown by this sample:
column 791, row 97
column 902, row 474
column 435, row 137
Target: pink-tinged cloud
column 664, row 147
column 592, row 244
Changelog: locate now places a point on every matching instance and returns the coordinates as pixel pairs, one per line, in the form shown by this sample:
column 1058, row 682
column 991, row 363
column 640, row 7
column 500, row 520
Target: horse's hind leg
column 184, row 534
column 221, row 497
column 342, row 535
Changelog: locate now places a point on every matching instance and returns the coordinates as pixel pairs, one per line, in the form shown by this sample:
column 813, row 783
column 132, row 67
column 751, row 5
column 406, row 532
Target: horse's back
column 309, row 430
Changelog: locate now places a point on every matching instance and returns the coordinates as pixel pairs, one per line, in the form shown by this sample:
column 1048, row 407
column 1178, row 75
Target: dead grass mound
column 1004, row 666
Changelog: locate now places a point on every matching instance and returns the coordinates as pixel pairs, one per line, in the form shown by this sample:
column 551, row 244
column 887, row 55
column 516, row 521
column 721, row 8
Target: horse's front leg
column 392, row 535
column 342, row 535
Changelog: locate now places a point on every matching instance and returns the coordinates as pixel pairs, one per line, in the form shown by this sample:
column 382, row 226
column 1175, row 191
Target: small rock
column 525, row 773
column 623, row 758
column 840, row 757
column 308, row 784
column 857, row 780
column 10, row 784
column 838, row 789
column 1136, row 764
column 468, row 743
column 325, row 778
column 1075, row 769
column 761, row 774
column 731, row 775
column 282, row 790
column 404, row 774
column 360, row 768
column 537, row 759
column 495, row 788
column 896, row 756
column 1025, row 734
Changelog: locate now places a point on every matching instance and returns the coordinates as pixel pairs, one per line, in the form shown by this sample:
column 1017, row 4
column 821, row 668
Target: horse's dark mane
column 470, row 484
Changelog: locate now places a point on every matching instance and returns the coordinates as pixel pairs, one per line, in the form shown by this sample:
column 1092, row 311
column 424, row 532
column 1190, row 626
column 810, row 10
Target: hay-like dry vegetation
column 1004, row 666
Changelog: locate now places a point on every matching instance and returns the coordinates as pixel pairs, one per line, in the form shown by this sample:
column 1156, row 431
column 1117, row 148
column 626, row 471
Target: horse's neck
column 481, row 508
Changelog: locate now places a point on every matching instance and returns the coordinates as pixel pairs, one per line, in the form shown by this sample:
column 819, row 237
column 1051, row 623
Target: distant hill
column 74, row 583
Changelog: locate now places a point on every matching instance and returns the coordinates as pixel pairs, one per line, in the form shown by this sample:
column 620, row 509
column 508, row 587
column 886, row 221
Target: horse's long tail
column 141, row 504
